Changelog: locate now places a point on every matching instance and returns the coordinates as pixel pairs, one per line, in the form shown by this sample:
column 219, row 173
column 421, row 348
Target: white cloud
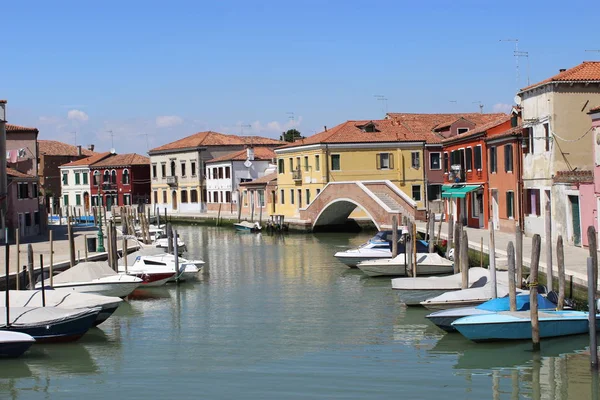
column 167, row 121
column 77, row 115
column 501, row 107
column 49, row 120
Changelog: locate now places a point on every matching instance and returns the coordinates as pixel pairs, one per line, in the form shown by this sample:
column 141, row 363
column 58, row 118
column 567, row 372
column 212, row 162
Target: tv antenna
column 112, row 139
column 242, row 126
column 75, row 134
column 383, row 101
column 523, row 54
column 290, row 115
column 147, row 143
column 516, row 42
column 480, row 105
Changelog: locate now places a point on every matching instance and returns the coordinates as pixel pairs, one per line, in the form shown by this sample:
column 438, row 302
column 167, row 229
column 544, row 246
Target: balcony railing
column 297, row 174
column 172, row 180
column 109, row 186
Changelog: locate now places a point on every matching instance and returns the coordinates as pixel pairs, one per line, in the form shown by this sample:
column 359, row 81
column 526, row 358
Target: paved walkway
column 575, row 257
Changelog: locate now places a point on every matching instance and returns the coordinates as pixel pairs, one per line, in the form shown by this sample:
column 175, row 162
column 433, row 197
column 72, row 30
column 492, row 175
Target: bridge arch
column 337, row 211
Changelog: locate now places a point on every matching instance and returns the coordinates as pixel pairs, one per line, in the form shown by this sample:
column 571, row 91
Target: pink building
column 24, row 210
column 590, row 192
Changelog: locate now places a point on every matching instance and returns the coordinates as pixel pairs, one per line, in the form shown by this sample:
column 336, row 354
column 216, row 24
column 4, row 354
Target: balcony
column 172, row 181
column 107, row 187
column 297, row 175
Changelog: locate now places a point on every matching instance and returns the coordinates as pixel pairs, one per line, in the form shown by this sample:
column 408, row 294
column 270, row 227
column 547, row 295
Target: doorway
column 495, row 209
column 575, row 219
column 86, row 201
column 174, row 200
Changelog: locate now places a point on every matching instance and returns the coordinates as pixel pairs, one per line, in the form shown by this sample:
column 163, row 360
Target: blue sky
column 169, row 69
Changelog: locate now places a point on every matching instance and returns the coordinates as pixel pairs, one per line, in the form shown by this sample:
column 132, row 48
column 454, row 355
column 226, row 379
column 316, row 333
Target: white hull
column 116, row 289
column 414, row 297
column 400, row 270
column 352, row 260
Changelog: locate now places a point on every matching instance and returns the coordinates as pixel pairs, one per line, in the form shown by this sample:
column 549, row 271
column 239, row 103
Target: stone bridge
column 380, row 200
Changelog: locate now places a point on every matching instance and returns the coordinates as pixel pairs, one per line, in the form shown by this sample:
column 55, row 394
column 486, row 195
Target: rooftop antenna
column 147, row 143
column 75, row 133
column 523, row 54
column 112, row 139
column 516, row 41
column 480, row 105
column 290, row 115
column 242, row 126
column 383, row 100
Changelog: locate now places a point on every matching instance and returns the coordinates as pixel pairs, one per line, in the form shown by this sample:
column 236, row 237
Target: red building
column 121, row 179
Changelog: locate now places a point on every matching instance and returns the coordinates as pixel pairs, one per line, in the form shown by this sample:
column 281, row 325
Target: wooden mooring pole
column 450, row 235
column 464, row 259
column 519, row 254
column 431, row 235
column 394, row 236
column 71, row 245
column 457, row 236
column 591, row 272
column 18, row 242
column 512, row 291
column 51, row 259
column 560, row 257
column 42, row 280
column 536, row 243
column 492, row 259
column 549, row 272
column 593, row 248
column 30, row 266
column 414, row 247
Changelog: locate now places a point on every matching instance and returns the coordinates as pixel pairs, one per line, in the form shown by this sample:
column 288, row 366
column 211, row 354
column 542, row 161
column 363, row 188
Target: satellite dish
column 517, row 100
column 113, row 151
column 247, row 164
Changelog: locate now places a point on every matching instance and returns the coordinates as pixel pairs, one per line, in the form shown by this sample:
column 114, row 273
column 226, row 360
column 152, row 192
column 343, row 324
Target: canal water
column 277, row 317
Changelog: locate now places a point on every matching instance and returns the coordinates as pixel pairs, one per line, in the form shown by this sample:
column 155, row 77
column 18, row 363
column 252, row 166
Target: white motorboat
column 94, row 277
column 467, row 297
column 163, row 243
column 14, row 344
column 412, row 291
column 63, row 299
column 427, row 264
column 163, row 261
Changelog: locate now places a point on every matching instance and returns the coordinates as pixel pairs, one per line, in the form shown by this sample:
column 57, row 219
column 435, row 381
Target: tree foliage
column 291, row 135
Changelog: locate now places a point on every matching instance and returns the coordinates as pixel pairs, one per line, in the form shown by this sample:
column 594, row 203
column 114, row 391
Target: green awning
column 457, row 191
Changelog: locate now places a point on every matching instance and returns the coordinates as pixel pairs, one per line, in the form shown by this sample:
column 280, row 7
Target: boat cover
column 58, row 298
column 503, row 303
column 84, row 272
column 477, row 277
column 35, row 316
column 483, row 293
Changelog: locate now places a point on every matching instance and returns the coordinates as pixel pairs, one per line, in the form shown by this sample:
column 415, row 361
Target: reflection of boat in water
column 66, row 359
column 412, row 327
column 503, row 355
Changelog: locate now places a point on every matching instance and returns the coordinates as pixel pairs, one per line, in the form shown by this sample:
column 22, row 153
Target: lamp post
column 100, row 248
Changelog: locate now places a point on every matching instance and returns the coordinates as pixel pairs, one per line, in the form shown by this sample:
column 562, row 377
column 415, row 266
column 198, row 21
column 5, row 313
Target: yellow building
column 351, row 151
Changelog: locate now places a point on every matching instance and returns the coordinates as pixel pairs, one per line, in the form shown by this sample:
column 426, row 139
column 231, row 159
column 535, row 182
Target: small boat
column 49, row 324
column 163, row 262
column 467, row 297
column 427, row 264
column 14, row 344
column 378, row 247
column 94, row 277
column 412, row 291
column 163, row 243
column 516, row 325
column 64, row 299
column 144, row 250
column 151, row 274
column 245, row 226
column 444, row 318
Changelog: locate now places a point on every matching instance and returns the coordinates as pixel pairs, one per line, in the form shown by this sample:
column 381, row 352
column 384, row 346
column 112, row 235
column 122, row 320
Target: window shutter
column 528, row 193
column 537, row 203
column 506, row 158
column 378, row 160
column 391, row 158
column 418, row 160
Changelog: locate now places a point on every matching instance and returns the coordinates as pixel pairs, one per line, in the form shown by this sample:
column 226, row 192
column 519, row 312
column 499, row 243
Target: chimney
column 325, row 127
column 562, row 70
column 90, row 147
column 250, row 153
column 79, row 150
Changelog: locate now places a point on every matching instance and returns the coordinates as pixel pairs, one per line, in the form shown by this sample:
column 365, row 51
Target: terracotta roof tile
column 211, row 138
column 478, row 130
column 18, row 128
column 516, row 131
column 56, row 148
column 595, row 109
column 88, row 160
column 264, row 180
column 123, row 160
column 574, row 177
column 586, row 71
column 17, row 174
column 260, row 153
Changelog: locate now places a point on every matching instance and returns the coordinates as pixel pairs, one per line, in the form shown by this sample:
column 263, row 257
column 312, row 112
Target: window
column 127, row 199
column 508, row 158
column 317, row 163
column 154, row 170
column 183, row 168
column 245, row 196
column 533, row 202
column 415, row 160
column 547, row 136
column 164, row 196
column 220, row 172
column 307, row 196
column 77, row 178
column 291, row 165
column 194, row 196
column 434, row 161
column 297, row 163
column 216, row 197
column 446, row 162
column 34, row 190
column 125, row 177
column 261, row 198
column 510, row 204
column 306, row 163
column 173, row 172
column 65, row 200
column 475, row 206
column 318, row 191
column 155, row 197
column 282, row 197
column 291, row 196
column 335, row 162
column 434, row 192
column 385, row 161
column 528, row 140
column 85, row 178
column 22, row 190
column 228, row 197
column 184, row 196
column 77, row 199
column 27, row 219
column 469, row 159
column 193, row 168
column 106, row 177
column 227, row 172
column 96, row 178
column 477, row 158
column 163, row 170
column 281, row 166
column 65, row 178
column 460, row 131
column 113, row 176
column 416, row 192
column 36, row 218
column 493, row 160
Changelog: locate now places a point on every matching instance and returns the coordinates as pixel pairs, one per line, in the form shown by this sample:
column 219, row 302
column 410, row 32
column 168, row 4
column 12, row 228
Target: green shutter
column 85, row 178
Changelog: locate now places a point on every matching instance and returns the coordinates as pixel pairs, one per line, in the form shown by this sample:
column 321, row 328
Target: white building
column 225, row 173
column 76, row 182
